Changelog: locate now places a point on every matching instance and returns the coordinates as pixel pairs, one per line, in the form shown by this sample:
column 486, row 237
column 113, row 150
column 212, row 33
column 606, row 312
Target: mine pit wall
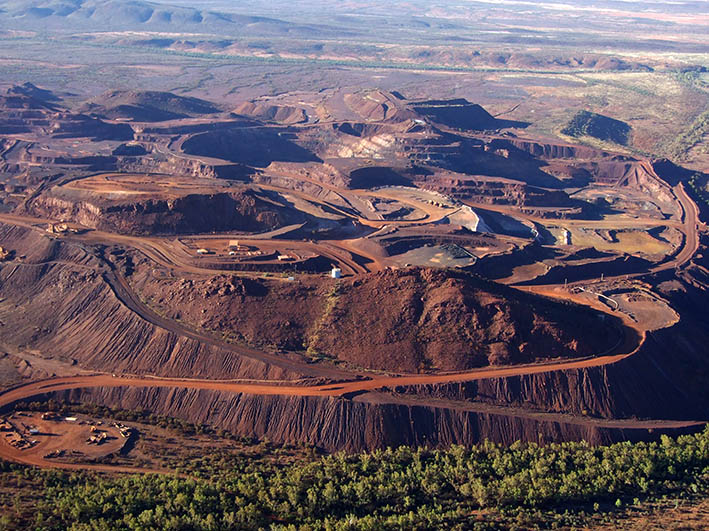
column 555, row 151
column 335, row 424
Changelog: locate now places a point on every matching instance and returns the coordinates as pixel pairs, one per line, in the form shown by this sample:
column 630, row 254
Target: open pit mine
column 348, row 269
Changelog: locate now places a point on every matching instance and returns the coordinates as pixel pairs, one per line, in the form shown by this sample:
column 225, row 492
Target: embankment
column 352, row 425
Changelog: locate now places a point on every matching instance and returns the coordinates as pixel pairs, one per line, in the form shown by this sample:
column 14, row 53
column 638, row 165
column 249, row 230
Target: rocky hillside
column 404, row 320
column 418, row 319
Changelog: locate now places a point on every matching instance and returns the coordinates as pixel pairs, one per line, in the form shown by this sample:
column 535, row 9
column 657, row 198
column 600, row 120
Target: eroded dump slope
column 57, row 304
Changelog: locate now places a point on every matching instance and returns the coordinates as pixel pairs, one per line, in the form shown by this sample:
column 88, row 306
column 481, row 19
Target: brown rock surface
column 416, row 319
column 404, row 321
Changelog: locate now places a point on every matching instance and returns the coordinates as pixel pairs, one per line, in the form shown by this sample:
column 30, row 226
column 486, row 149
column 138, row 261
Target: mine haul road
column 39, row 388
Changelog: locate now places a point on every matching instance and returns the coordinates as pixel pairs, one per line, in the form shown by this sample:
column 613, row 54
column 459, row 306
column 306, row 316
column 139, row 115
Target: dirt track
column 690, row 221
column 333, row 390
column 10, row 453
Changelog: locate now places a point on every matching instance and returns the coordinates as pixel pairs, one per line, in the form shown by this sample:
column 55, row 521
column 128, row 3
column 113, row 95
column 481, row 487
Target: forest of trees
column 388, row 489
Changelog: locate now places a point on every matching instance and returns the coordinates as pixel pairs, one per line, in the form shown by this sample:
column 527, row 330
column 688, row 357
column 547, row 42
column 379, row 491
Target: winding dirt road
column 689, row 227
column 332, row 390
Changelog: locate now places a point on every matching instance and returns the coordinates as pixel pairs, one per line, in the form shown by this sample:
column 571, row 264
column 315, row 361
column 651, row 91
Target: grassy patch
column 314, row 337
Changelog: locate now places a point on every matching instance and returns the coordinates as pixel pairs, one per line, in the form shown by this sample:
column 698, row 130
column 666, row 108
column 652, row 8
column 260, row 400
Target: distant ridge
column 142, row 15
column 34, row 92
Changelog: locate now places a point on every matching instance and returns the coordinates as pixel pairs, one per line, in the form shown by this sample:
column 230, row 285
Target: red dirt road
column 332, row 390
column 626, row 347
column 690, row 223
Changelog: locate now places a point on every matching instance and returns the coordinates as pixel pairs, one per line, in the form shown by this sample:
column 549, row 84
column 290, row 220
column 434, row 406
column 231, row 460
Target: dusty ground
column 675, row 515
column 58, row 438
column 115, row 185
